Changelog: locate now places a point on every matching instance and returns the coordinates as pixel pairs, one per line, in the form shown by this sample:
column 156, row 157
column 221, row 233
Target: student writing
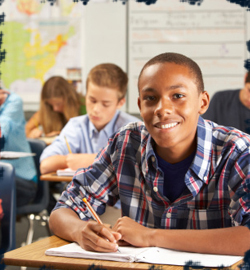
column 59, row 102
column 106, row 89
column 183, row 182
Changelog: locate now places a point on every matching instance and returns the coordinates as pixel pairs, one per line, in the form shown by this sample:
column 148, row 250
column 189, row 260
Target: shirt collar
column 108, row 129
column 201, row 164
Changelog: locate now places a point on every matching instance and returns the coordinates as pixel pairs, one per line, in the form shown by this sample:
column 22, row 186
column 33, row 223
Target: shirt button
column 168, row 215
column 155, row 189
column 205, row 178
column 153, row 159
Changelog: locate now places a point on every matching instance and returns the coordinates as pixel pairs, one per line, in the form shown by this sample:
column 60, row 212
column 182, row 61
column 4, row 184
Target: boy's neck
column 176, row 155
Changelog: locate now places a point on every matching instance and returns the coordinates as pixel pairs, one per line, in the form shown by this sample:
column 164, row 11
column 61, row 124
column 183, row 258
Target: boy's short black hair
column 178, row 59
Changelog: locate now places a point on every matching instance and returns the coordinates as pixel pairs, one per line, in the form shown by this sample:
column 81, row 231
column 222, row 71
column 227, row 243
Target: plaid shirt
column 218, row 181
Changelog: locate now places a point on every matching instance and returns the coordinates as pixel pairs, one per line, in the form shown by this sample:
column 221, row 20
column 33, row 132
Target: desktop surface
column 33, row 255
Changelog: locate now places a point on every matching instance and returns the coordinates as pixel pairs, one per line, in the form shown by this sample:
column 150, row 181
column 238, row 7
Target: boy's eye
column 149, row 98
column 177, row 96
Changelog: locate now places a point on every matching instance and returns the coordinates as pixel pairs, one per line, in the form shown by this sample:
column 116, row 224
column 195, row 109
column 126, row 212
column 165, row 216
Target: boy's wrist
column 152, row 239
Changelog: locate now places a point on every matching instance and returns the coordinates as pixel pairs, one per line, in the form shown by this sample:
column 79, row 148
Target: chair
column 41, row 201
column 8, row 196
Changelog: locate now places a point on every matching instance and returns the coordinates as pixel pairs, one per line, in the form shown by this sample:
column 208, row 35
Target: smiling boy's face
column 170, row 105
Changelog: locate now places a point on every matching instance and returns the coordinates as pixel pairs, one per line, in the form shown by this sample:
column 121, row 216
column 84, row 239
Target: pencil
column 67, row 144
column 93, row 213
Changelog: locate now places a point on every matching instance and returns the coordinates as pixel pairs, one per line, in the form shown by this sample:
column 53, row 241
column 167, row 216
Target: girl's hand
column 35, row 133
column 52, row 133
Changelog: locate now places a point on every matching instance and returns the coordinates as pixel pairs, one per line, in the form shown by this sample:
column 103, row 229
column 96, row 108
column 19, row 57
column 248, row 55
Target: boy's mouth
column 166, row 126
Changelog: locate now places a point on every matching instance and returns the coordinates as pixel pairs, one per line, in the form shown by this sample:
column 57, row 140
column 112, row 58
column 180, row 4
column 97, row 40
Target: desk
column 33, row 255
column 55, row 178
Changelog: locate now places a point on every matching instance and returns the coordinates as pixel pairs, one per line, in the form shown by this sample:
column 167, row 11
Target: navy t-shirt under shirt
column 174, row 175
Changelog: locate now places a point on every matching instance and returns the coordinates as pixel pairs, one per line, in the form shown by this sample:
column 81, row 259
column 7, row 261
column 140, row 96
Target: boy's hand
column 3, row 96
column 132, row 233
column 98, row 237
column 76, row 161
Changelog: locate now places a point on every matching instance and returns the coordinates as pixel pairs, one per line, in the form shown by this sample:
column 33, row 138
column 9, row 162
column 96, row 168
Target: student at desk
column 59, row 102
column 183, row 182
column 12, row 125
column 106, row 89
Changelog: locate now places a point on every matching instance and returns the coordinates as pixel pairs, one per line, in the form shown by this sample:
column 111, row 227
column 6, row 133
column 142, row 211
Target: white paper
column 152, row 255
column 13, row 155
column 65, row 172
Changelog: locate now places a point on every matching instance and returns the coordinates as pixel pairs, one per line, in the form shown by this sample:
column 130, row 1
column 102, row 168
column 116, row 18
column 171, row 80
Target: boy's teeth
column 169, row 125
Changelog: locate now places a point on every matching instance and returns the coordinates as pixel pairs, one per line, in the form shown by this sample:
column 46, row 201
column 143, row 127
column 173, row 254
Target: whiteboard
column 213, row 34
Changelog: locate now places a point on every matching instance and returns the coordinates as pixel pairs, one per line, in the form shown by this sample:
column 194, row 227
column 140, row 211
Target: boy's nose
column 97, row 107
column 163, row 107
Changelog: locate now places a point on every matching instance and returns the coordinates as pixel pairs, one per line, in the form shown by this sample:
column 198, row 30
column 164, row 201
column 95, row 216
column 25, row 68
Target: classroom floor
column 110, row 216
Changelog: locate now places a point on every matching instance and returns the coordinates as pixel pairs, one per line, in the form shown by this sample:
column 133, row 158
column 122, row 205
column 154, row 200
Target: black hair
column 178, row 59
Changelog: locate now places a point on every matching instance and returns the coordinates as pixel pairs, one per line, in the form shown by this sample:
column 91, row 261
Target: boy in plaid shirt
column 183, row 182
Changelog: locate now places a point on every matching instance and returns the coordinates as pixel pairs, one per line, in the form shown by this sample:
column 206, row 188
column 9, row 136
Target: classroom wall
column 112, row 32
column 105, row 34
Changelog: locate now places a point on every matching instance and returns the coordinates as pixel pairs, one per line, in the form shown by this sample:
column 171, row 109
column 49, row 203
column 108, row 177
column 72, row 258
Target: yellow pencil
column 92, row 211
column 67, row 144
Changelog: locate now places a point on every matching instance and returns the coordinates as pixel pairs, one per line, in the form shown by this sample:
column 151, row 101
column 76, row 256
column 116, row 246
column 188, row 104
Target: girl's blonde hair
column 58, row 87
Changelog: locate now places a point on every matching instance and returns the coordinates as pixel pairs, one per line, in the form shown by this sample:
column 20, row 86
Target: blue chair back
column 8, row 196
column 41, row 200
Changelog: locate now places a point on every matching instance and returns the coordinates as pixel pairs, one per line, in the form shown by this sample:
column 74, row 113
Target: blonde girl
column 59, row 102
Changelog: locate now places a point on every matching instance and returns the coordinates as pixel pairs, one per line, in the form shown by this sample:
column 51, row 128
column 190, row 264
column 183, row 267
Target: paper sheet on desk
column 13, row 155
column 152, row 255
column 65, row 172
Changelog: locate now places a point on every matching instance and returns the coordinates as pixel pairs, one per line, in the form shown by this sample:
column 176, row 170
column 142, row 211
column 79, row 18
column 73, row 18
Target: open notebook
column 152, row 255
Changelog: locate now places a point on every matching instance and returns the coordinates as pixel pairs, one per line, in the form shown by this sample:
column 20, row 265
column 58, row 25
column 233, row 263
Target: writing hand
column 35, row 133
column 52, row 133
column 98, row 237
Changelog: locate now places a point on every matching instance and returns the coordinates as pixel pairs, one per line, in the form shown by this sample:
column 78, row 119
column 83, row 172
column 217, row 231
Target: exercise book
column 152, row 255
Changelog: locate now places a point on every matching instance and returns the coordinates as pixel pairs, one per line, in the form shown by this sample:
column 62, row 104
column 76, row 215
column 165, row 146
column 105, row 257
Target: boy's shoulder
column 126, row 118
column 132, row 129
column 226, row 136
column 226, row 96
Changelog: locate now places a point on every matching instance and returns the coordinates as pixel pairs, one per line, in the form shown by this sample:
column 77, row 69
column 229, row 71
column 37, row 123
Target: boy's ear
column 204, row 102
column 245, row 77
column 139, row 103
column 121, row 102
